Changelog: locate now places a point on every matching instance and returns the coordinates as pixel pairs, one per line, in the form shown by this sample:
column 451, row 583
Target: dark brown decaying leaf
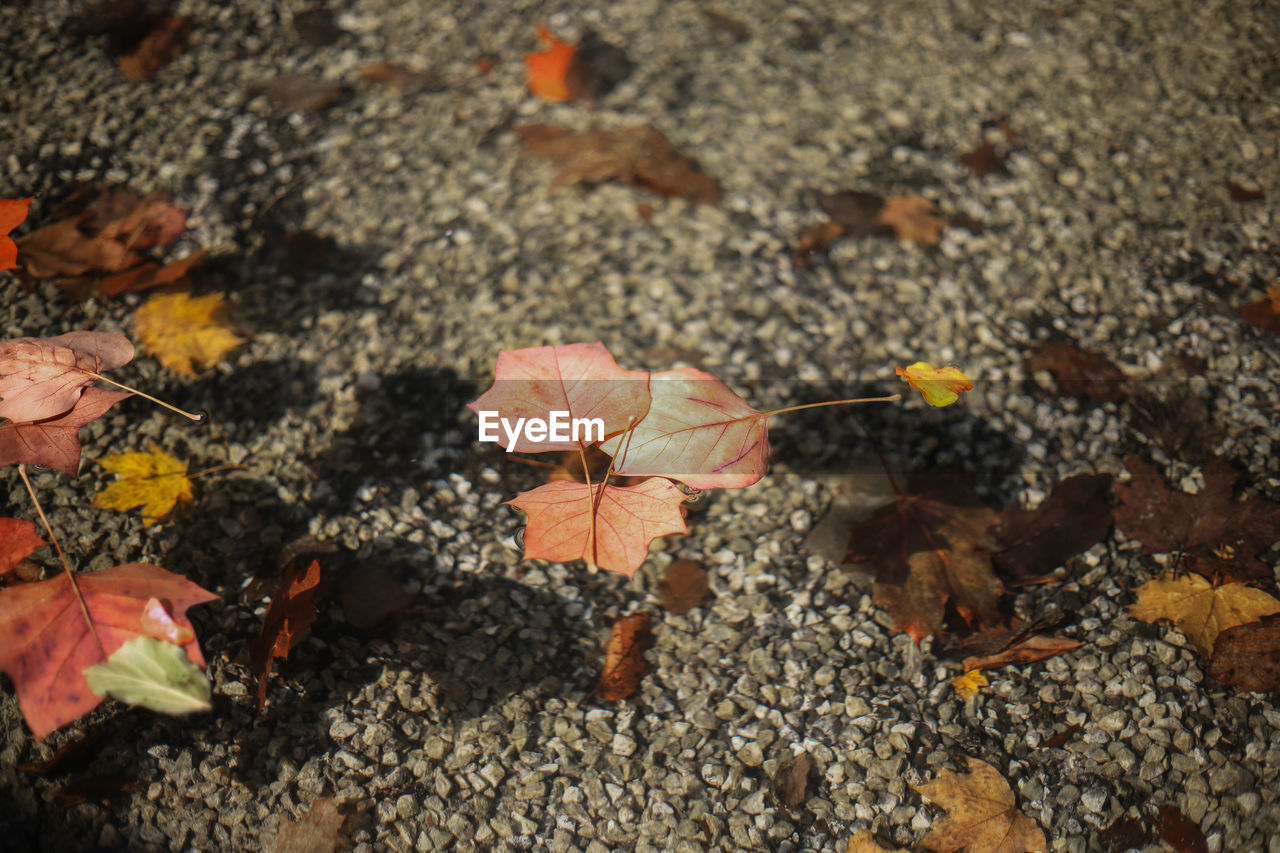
column 857, row 213
column 1265, row 313
column 638, row 155
column 371, row 598
column 316, row 27
column 1074, row 517
column 94, row 789
column 1239, row 193
column 1181, row 832
column 157, row 49
column 1216, row 534
column 298, row 93
column 683, row 587
column 1125, row 834
column 624, row 657
column 71, row 756
column 1248, row 656
column 1061, row 737
column 1176, row 420
column 790, row 783
column 316, row 832
column 983, row 160
column 596, row 68
column 1027, row 650
column 1078, row 373
column 285, row 625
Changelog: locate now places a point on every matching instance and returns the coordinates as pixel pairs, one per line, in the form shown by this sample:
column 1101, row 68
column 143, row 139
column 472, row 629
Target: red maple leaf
column 697, row 431
column 580, row 379
column 13, row 212
column 54, row 442
column 18, row 540
column 288, row 618
column 608, row 526
column 44, row 377
column 49, row 642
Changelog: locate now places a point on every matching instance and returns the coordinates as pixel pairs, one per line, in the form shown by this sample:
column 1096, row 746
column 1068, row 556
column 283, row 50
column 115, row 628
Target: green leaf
column 154, row 674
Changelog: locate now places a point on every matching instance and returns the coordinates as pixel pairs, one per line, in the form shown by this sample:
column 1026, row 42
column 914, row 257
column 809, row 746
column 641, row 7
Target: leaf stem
column 890, row 399
column 876, row 447
column 591, row 499
column 218, row 468
column 196, row 416
column 71, row 577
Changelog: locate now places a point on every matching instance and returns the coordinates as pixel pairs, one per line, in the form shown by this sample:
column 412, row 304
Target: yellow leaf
column 1201, row 610
column 941, row 386
column 179, row 329
column 969, row 684
column 155, row 481
column 981, row 814
column 864, row 843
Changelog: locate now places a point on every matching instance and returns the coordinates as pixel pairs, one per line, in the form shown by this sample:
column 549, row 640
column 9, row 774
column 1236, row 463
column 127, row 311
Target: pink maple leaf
column 580, row 379
column 611, row 530
column 44, row 377
column 697, row 431
column 54, row 442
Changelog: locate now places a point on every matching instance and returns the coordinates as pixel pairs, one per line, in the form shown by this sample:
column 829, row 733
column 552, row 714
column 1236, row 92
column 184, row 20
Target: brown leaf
column 790, row 783
column 1239, row 193
column 736, row 29
column 316, row 832
column 1061, row 738
column 94, row 789
column 401, row 77
column 1248, row 656
column 1176, row 420
column 1215, row 533
column 624, row 657
column 291, row 613
column 864, row 843
column 856, row 213
column 983, row 160
column 912, row 218
column 1026, row 650
column 596, row 68
column 1078, row 373
column 981, row 814
column 157, row 49
column 316, row 27
column 1125, row 834
column 372, row 599
column 1265, row 313
column 638, row 155
column 298, row 93
column 72, row 756
column 150, row 275
column 961, row 575
column 683, row 587
column 1074, row 517
column 1181, row 832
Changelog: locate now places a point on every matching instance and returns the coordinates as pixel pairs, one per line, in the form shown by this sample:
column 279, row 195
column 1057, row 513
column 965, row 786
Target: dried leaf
column 19, row 539
column 683, row 587
column 1239, row 193
column 316, row 832
column 1027, row 650
column 940, row 386
column 55, row 442
column 180, row 330
column 157, row 49
column 1181, row 832
column 1176, row 420
column 43, row 378
column 856, row 213
column 981, row 814
column 1125, row 834
column 790, row 783
column 316, row 27
column 288, row 618
column 1265, row 313
column 94, row 789
column 983, row 160
column 545, row 71
column 595, row 68
column 299, row 93
column 71, row 756
column 1061, row 737
column 864, row 843
column 154, row 480
column 371, row 598
column 624, row 652
column 150, row 275
column 969, row 684
column 1248, row 656
column 1201, row 610
column 1074, row 518
column 1079, row 374
column 13, row 212
column 401, row 77
column 912, row 218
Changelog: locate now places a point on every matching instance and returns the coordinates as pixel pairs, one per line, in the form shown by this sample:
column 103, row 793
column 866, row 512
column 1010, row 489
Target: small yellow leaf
column 1201, row 610
column 969, row 684
column 941, row 386
column 179, row 329
column 155, row 481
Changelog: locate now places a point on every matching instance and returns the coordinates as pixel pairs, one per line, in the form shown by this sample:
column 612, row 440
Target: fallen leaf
column 608, row 526
column 158, row 623
column 912, row 218
column 1026, row 650
column 1201, row 610
column 624, row 664
column 1061, row 738
column 286, row 623
column 316, row 27
column 983, row 160
column 49, row 644
column 595, row 68
column 94, row 789
column 1216, row 534
column 157, row 49
column 299, row 93
column 1075, row 517
column 1239, row 193
column 150, row 275
column 981, row 814
column 19, row 539
column 638, row 155
column 152, row 674
column 696, row 431
column 154, row 480
column 180, row 330
column 940, row 386
column 1181, row 832
column 316, row 832
column 44, row 377
column 401, row 77
column 545, row 71
column 1265, row 313
column 790, row 783
column 71, row 756
column 683, row 587
column 1125, row 834
column 371, row 598
column 1175, row 419
column 969, row 684
column 13, row 212
column 864, row 843
column 1248, row 656
column 55, row 442
column 736, row 30
column 1079, row 374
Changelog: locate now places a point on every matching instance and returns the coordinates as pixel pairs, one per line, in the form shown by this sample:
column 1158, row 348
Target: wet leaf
column 981, row 814
column 162, row 45
column 1075, row 517
column 683, row 587
column 371, row 598
column 1125, row 834
column 1239, row 193
column 912, row 218
column 1181, row 832
column 286, row 623
column 624, row 663
column 1078, row 373
column 13, row 212
column 316, row 27
column 1201, row 610
column 95, row 789
column 154, row 480
column 299, row 93
column 1026, row 650
column 983, row 160
column 862, row 842
column 1248, row 656
column 1265, row 313
column 596, row 68
column 736, row 29
column 181, row 331
column 401, row 77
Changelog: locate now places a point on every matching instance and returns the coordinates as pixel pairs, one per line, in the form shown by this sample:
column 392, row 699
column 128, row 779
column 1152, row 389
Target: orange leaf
column 1265, row 313
column 13, row 212
column 18, row 540
column 290, row 615
column 940, row 386
column 545, row 72
column 624, row 657
column 316, row 832
column 911, row 218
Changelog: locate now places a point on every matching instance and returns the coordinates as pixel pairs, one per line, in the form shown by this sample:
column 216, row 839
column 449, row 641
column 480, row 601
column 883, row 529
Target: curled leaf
column 624, row 652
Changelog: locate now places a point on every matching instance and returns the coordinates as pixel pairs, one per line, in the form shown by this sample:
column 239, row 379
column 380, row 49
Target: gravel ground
column 473, row 725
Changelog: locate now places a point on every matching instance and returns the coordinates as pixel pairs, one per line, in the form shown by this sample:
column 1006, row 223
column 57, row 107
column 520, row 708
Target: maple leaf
column 44, row 377
column 981, row 814
column 1200, row 609
column 288, row 618
column 638, row 155
column 697, row 431
column 316, row 832
column 179, row 330
column 18, row 540
column 609, row 526
column 1074, row 517
column 1026, row 649
column 959, row 574
column 1248, row 656
column 13, row 212
column 54, row 442
column 912, row 218
column 154, row 480
column 864, row 843
column 940, row 386
column 48, row 644
column 162, row 45
column 581, row 379
column 545, row 71
column 1079, row 373
column 624, row 652
column 1216, row 534
column 1265, row 313
column 969, row 684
